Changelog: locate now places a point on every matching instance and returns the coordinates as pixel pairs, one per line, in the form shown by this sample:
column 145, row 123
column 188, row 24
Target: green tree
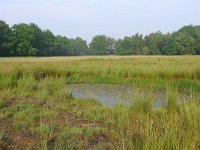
column 197, row 38
column 193, row 31
column 33, row 52
column 29, row 40
column 48, row 44
column 137, row 44
column 100, row 45
column 124, row 46
column 5, row 37
column 111, row 45
column 169, row 45
column 131, row 45
column 61, row 46
column 78, row 46
column 24, row 38
column 23, row 48
column 185, row 44
column 38, row 40
column 154, row 42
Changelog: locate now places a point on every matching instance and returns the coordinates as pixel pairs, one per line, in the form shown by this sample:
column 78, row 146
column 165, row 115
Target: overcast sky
column 115, row 18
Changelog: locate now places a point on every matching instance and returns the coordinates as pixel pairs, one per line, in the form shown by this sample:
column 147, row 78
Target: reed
column 36, row 106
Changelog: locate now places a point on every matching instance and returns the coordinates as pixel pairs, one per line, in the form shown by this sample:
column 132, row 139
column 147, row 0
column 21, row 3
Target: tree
column 131, row 45
column 193, row 31
column 32, row 52
column 48, row 44
column 185, row 44
column 23, row 48
column 123, row 46
column 197, row 38
column 137, row 44
column 154, row 42
column 169, row 45
column 29, row 40
column 5, row 43
column 111, row 45
column 38, row 40
column 24, row 38
column 99, row 45
column 61, row 46
column 78, row 46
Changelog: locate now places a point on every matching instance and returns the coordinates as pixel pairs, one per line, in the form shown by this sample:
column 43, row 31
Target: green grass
column 38, row 112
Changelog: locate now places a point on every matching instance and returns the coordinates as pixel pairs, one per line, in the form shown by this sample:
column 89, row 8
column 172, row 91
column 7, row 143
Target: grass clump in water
column 38, row 112
column 171, row 98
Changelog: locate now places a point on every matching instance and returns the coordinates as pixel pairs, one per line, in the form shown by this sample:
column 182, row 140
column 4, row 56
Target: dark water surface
column 111, row 94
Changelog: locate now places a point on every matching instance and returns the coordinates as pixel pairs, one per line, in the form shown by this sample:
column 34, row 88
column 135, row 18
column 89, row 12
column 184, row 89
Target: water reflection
column 111, row 94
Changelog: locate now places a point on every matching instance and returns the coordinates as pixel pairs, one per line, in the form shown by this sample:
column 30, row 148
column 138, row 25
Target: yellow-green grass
column 38, row 112
column 183, row 71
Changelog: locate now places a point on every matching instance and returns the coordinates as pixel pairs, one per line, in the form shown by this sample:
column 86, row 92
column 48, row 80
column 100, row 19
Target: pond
column 111, row 94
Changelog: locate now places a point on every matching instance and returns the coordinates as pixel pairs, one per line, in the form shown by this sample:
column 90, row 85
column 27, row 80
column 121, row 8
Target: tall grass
column 36, row 106
column 171, row 98
column 183, row 71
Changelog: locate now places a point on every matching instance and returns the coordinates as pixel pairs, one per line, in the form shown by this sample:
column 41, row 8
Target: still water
column 111, row 94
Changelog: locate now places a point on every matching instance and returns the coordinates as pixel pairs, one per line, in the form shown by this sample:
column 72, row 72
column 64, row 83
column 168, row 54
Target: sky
column 115, row 18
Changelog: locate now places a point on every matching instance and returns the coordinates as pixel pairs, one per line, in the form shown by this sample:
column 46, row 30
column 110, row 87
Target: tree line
column 30, row 40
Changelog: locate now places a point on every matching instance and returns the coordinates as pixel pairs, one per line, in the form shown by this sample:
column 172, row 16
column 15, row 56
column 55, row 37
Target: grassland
column 38, row 112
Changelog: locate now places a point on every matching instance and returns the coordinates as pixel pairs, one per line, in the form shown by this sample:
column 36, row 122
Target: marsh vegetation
column 38, row 111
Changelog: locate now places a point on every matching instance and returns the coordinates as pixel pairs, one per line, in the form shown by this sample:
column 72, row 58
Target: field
column 37, row 111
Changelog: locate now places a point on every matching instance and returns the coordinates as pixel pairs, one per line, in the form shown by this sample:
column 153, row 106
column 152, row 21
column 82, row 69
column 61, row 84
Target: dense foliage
column 29, row 40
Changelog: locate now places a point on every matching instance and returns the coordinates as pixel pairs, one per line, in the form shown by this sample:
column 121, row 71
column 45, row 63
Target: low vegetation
column 37, row 111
